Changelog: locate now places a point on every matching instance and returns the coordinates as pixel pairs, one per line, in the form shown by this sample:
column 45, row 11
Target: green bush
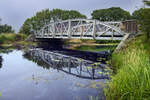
column 20, row 37
column 11, row 37
column 2, row 39
column 107, row 41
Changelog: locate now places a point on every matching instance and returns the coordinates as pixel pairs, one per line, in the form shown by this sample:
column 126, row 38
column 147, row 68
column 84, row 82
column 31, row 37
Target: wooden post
column 122, row 43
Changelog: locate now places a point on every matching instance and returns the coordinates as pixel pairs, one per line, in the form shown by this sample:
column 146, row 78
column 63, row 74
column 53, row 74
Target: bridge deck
column 97, row 38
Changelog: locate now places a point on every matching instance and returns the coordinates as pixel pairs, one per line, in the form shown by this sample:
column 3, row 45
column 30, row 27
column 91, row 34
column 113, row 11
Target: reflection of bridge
column 70, row 65
column 82, row 29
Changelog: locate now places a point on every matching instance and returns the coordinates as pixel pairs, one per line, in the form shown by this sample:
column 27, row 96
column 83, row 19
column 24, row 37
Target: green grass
column 107, row 41
column 95, row 48
column 132, row 72
column 90, row 41
column 7, row 38
column 11, row 39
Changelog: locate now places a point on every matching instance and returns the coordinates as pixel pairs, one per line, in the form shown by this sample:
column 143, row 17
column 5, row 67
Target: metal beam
column 81, row 29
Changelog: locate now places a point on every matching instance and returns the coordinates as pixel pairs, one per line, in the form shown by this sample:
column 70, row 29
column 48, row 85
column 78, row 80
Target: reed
column 131, row 80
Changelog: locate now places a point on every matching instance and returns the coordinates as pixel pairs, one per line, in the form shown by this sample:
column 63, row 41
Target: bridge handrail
column 86, row 28
column 87, row 20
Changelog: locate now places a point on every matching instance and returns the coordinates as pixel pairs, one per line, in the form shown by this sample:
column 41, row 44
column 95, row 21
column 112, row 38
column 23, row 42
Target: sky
column 15, row 12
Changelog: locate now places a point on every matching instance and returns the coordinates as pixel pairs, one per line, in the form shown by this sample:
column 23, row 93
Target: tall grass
column 132, row 78
column 11, row 37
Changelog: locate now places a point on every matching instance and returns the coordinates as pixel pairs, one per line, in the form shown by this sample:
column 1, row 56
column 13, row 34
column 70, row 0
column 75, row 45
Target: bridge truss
column 81, row 29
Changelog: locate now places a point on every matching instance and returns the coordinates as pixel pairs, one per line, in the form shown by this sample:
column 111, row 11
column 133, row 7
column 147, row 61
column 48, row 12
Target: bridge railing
column 81, row 29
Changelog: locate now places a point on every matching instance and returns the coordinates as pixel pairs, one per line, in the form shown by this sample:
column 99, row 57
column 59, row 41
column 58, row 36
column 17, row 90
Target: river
column 26, row 76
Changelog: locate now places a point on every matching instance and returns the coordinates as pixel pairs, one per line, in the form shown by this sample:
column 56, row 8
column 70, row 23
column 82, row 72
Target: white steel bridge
column 81, row 29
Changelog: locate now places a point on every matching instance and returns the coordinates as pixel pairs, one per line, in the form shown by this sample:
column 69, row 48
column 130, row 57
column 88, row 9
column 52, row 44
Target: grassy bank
column 91, row 45
column 96, row 48
column 92, row 41
column 12, row 40
column 132, row 72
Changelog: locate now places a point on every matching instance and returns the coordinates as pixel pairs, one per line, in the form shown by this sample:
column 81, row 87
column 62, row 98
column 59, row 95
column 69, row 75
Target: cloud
column 15, row 12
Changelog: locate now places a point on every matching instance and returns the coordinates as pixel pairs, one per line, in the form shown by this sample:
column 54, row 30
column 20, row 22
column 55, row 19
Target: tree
column 58, row 14
column 36, row 22
column 44, row 17
column 147, row 2
column 0, row 21
column 6, row 29
column 72, row 14
column 136, row 14
column 111, row 14
column 143, row 17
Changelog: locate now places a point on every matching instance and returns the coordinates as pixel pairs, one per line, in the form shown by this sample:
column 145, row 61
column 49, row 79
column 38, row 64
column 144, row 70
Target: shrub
column 2, row 39
column 11, row 37
column 20, row 37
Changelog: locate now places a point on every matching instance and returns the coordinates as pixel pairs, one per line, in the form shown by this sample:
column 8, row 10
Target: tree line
column 4, row 28
column 142, row 16
column 45, row 16
column 110, row 14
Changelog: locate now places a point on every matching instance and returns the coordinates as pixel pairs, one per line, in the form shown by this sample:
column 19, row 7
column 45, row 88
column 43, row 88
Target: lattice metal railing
column 82, row 29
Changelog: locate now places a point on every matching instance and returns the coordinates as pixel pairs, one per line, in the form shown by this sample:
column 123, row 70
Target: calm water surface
column 24, row 79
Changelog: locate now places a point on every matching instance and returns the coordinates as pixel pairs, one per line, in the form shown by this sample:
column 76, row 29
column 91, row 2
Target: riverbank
column 131, row 77
column 92, row 45
column 9, row 40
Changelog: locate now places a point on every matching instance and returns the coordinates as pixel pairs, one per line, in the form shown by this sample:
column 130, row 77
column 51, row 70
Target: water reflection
column 1, row 60
column 6, row 51
column 21, row 79
column 104, row 54
column 70, row 65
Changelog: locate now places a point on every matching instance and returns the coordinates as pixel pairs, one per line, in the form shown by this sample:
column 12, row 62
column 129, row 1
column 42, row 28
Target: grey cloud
column 15, row 12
